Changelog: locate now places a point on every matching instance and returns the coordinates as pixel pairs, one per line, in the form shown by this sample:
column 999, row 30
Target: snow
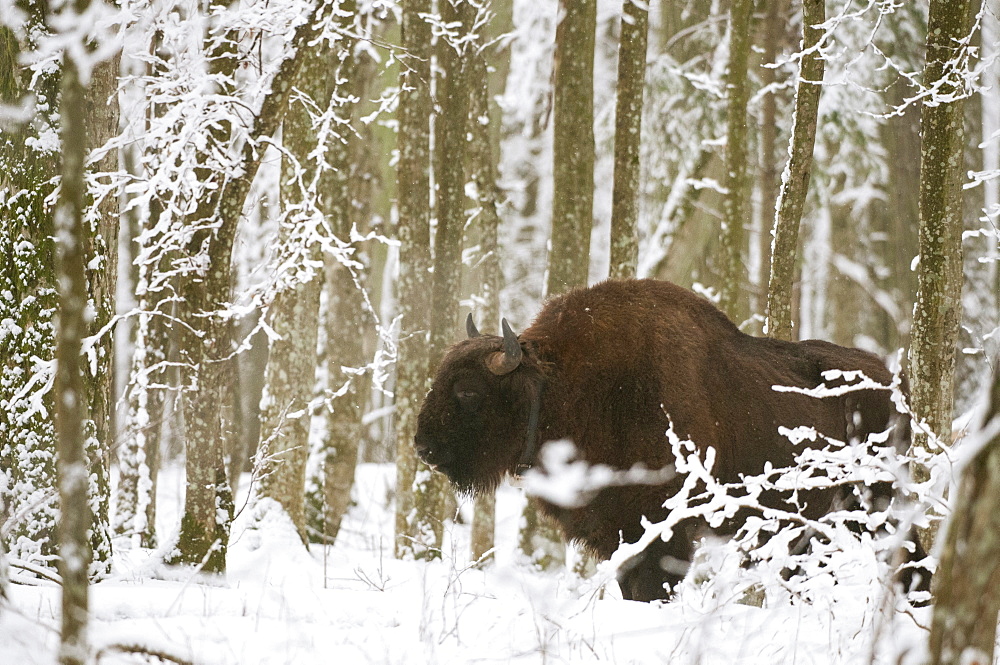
column 354, row 603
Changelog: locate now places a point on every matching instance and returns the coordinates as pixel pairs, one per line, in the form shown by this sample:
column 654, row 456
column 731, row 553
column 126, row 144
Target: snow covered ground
column 354, row 603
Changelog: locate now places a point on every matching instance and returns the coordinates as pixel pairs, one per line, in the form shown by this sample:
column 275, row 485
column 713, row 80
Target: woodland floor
column 354, row 603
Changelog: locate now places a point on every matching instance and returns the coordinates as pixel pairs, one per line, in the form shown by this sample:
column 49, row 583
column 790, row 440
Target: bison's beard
column 472, row 465
column 472, row 484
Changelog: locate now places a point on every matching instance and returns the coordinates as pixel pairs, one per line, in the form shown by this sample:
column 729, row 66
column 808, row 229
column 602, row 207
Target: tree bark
column 453, row 101
column 28, row 299
column 573, row 146
column 572, row 207
column 139, row 453
column 938, row 310
column 483, row 168
column 346, row 315
column 967, row 582
column 70, row 392
column 767, row 179
column 28, row 284
column 290, row 375
column 628, row 135
column 795, row 179
column 205, row 337
column 431, row 489
column 732, row 298
column 101, row 247
column 413, row 184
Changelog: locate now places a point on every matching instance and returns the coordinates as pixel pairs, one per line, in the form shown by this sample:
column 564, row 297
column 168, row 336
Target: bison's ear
column 506, row 361
column 470, row 327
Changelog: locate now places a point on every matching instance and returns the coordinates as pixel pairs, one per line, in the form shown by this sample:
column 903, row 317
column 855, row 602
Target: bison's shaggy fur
column 611, row 368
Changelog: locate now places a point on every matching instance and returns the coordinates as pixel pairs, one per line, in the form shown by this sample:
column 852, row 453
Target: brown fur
column 616, row 364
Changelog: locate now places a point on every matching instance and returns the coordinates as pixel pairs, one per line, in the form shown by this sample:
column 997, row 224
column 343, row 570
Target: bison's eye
column 468, row 398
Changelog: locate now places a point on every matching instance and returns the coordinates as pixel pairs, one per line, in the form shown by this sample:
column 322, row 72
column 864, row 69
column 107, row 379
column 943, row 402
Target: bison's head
column 473, row 425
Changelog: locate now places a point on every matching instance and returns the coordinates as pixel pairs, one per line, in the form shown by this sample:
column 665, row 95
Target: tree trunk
column 572, row 207
column 70, row 392
column 732, row 298
column 573, row 146
column 101, row 248
column 431, row 489
column 346, row 319
column 4, row 516
column 767, row 179
column 28, row 299
column 8, row 95
column 205, row 347
column 795, row 179
column 290, row 376
column 139, row 453
column 101, row 257
column 346, row 315
column 979, row 313
column 205, row 337
column 937, row 314
column 628, row 134
column 678, row 211
column 413, row 184
column 901, row 137
column 967, row 582
column 483, row 167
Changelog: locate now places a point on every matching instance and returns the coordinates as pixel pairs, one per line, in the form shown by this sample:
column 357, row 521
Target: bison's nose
column 433, row 456
column 423, row 451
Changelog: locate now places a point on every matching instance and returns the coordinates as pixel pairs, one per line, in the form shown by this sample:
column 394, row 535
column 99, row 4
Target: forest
column 237, row 238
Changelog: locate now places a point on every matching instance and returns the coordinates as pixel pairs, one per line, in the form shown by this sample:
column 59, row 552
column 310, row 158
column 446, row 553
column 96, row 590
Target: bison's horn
column 470, row 327
column 506, row 361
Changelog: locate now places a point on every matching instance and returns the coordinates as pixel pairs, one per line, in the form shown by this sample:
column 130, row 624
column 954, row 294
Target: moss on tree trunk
column 938, row 310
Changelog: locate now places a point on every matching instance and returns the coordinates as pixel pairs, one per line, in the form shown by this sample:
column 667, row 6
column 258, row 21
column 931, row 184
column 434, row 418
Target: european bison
column 610, row 368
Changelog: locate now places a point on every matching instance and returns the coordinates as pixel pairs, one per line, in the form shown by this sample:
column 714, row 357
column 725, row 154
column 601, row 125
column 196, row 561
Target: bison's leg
column 913, row 575
column 653, row 573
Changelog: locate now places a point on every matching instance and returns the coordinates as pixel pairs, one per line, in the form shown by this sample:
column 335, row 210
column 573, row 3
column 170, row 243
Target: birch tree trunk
column 70, row 392
column 795, row 179
column 736, row 201
column 413, row 185
column 628, row 135
column 967, row 582
column 938, row 310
